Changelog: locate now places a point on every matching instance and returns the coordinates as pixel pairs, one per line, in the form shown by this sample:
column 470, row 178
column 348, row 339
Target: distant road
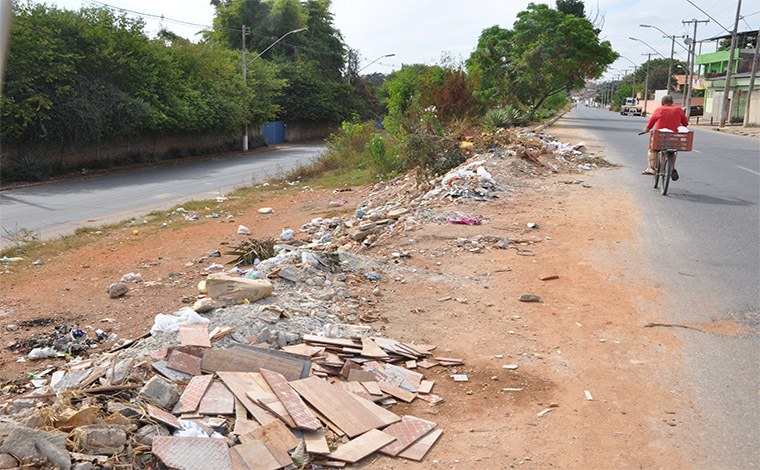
column 704, row 244
column 60, row 208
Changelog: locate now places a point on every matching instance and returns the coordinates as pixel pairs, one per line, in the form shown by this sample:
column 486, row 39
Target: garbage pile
column 276, row 365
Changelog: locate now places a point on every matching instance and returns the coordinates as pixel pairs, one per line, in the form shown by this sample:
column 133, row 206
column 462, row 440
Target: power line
column 708, row 15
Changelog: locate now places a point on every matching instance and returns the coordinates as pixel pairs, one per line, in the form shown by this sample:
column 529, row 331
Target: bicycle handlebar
column 642, row 133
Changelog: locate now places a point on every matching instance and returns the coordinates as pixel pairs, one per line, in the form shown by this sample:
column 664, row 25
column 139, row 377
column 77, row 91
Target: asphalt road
column 60, row 208
column 704, row 242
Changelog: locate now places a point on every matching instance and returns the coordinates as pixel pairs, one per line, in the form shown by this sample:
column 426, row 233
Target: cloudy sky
column 424, row 31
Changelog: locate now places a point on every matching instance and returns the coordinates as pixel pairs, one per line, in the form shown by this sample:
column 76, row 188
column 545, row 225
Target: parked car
column 696, row 110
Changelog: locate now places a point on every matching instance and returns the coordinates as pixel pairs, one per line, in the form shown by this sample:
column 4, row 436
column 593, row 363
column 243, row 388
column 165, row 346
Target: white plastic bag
column 171, row 323
column 287, row 234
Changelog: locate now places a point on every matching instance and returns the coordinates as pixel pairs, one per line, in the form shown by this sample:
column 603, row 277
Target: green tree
column 572, row 7
column 547, row 52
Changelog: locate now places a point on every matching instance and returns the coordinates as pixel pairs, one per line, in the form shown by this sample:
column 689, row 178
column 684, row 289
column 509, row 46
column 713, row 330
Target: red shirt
column 668, row 117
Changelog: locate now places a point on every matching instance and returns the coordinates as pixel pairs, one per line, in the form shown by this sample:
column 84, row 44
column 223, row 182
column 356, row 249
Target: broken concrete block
column 160, row 391
column 124, row 409
column 8, row 461
column 117, row 289
column 145, row 434
column 20, row 442
column 56, row 455
column 102, row 439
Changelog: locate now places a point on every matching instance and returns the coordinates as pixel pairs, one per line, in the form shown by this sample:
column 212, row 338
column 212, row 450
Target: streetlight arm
column 272, row 45
column 381, row 57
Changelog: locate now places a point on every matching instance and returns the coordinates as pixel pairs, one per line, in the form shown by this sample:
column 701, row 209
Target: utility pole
column 691, row 58
column 726, row 107
column 752, row 80
column 245, row 66
column 646, row 83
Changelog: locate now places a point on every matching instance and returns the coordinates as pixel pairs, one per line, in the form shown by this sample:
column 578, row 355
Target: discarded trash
column 215, row 267
column 39, row 262
column 6, row 260
column 131, row 277
column 466, row 220
column 287, row 234
column 171, row 323
column 510, row 366
column 234, row 290
column 532, row 225
column 339, row 202
column 43, row 353
column 266, row 210
column 243, row 230
column 588, row 395
column 135, row 232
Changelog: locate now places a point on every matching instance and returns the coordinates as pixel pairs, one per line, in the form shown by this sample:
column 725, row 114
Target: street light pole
column 245, row 72
column 646, row 83
column 672, row 49
column 692, row 56
column 381, row 57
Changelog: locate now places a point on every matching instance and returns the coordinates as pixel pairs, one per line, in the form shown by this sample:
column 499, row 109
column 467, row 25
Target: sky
column 426, row 31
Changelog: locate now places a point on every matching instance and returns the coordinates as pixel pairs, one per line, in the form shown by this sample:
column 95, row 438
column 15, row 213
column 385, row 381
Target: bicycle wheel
column 667, row 163
column 657, row 166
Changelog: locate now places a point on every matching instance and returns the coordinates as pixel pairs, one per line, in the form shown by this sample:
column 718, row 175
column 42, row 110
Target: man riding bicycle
column 668, row 117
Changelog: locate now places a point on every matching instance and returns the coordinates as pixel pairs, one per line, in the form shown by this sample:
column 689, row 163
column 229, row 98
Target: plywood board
column 316, row 443
column 362, row 446
column 387, row 417
column 426, row 386
column 243, row 424
column 250, row 359
column 370, row 349
column 397, row 392
column 420, row 448
column 275, row 434
column 256, row 456
column 292, row 402
column 360, row 375
column 218, row 400
column 239, row 383
column 408, row 430
column 271, row 403
column 337, row 405
column 193, row 393
column 372, row 388
column 194, row 335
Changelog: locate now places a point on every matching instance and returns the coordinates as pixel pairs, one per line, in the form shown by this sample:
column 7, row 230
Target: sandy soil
column 585, row 335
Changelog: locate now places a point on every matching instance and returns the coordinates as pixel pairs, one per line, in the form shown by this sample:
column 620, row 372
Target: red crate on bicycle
column 680, row 141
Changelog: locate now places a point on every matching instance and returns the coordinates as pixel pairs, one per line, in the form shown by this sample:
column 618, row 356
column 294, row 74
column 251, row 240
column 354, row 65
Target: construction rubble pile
column 278, row 364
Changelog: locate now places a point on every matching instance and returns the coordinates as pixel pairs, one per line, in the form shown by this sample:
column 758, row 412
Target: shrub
column 24, row 168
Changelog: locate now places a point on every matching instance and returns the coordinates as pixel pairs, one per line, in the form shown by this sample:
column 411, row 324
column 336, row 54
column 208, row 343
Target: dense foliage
column 88, row 75
column 546, row 53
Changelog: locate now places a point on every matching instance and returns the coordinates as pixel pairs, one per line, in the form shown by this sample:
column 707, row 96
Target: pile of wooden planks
column 327, row 392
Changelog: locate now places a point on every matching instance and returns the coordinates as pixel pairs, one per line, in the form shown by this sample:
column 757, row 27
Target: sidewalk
column 735, row 129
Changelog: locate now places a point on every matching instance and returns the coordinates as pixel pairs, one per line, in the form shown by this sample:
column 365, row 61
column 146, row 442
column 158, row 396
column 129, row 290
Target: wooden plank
column 316, row 443
column 218, row 400
column 292, row 402
column 419, row 448
column 243, row 424
column 331, row 341
column 337, row 405
column 426, row 386
column 372, row 388
column 257, row 456
column 387, row 417
column 362, row 446
column 250, row 359
column 370, row 349
column 360, row 375
column 194, row 335
column 271, row 403
column 406, row 432
column 239, row 383
column 397, row 392
column 275, row 434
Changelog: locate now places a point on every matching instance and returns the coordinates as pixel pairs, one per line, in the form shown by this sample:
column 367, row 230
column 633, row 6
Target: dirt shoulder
column 580, row 352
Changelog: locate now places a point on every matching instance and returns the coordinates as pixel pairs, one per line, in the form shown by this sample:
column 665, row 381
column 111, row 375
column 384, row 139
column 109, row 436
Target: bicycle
column 667, row 145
